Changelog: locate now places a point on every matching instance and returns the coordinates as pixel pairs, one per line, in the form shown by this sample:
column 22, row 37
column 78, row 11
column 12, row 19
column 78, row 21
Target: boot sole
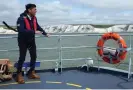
column 33, row 78
column 20, row 82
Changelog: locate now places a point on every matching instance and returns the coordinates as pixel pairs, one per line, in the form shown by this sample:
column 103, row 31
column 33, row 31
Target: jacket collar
column 29, row 16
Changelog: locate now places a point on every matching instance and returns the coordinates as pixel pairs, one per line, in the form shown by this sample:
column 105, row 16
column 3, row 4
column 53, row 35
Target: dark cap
column 29, row 6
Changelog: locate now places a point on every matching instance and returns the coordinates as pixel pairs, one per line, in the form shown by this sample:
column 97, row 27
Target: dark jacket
column 23, row 33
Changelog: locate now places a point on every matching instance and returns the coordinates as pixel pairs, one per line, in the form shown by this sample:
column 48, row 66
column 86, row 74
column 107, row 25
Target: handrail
column 72, row 35
column 18, row 49
column 76, row 47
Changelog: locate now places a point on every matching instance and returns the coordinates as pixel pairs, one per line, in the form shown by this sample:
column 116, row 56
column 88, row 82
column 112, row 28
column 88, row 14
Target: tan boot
column 33, row 75
column 20, row 78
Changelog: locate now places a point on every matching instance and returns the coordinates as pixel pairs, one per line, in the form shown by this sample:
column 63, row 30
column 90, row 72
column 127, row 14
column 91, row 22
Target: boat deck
column 72, row 79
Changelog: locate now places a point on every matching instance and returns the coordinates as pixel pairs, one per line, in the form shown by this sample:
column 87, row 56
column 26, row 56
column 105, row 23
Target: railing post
column 60, row 53
column 98, row 57
column 130, row 60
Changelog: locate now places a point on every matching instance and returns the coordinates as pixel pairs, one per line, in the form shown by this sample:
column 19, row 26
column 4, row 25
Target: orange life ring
column 121, row 42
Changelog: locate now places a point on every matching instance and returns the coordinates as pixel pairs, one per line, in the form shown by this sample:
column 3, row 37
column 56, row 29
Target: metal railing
column 60, row 48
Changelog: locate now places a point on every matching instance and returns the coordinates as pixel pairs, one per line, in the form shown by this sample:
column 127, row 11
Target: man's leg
column 22, row 53
column 33, row 54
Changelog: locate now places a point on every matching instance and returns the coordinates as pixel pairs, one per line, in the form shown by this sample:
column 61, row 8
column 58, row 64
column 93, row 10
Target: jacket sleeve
column 21, row 26
column 40, row 29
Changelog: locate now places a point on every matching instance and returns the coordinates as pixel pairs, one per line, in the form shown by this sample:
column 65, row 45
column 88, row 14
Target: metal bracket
column 57, row 67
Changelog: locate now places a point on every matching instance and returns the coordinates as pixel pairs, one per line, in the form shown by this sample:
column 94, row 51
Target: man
column 27, row 26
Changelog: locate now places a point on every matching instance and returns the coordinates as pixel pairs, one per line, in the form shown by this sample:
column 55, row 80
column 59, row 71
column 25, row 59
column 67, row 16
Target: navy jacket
column 21, row 27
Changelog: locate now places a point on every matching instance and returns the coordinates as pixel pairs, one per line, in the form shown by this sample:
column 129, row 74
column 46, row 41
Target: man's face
column 33, row 11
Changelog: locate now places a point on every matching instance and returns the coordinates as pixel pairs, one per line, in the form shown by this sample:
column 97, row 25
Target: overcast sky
column 51, row 12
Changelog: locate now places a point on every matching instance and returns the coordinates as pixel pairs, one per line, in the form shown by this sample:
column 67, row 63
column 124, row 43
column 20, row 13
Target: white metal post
column 130, row 60
column 60, row 53
column 98, row 58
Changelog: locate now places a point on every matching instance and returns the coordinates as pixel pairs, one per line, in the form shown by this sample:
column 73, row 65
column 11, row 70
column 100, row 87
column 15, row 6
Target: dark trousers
column 25, row 45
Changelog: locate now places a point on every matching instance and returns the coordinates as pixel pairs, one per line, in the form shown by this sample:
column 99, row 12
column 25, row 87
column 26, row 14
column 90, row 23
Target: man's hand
column 47, row 35
column 39, row 32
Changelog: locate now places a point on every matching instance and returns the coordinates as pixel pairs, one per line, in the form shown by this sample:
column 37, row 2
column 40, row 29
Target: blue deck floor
column 72, row 79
